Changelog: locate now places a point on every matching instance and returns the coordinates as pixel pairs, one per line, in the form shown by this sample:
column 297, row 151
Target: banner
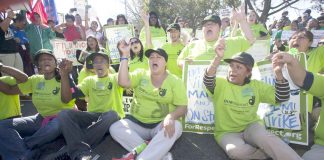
column 318, row 35
column 200, row 115
column 67, row 49
column 288, row 120
column 114, row 34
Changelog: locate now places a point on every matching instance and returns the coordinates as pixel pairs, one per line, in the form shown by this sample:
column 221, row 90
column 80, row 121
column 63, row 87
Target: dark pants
column 20, row 135
column 81, row 130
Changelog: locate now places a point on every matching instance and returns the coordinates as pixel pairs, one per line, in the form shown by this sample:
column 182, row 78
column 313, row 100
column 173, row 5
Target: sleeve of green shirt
column 84, row 86
column 135, row 77
column 235, row 45
column 316, row 88
column 184, row 53
column 179, row 94
column 26, row 88
column 266, row 92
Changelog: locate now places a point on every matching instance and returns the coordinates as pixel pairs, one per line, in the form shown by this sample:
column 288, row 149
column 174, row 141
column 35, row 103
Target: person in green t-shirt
column 9, row 95
column 158, row 34
column 21, row 137
column 160, row 99
column 312, row 83
column 104, row 106
column 204, row 49
column 238, row 129
column 173, row 49
column 259, row 31
column 302, row 41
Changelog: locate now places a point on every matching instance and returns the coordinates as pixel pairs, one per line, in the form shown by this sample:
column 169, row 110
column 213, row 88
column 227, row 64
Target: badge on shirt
column 41, row 85
column 247, row 92
column 162, row 92
column 100, row 85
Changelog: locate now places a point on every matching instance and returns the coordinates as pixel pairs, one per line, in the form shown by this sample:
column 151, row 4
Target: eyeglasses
column 133, row 42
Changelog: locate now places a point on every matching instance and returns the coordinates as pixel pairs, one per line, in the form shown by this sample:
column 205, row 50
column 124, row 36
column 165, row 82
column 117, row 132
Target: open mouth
column 154, row 65
column 209, row 32
column 295, row 45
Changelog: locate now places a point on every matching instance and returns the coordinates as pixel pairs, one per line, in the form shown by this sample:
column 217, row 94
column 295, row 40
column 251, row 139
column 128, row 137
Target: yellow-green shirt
column 46, row 95
column 236, row 106
column 151, row 104
column 137, row 64
column 256, row 28
column 173, row 51
column 158, row 36
column 9, row 104
column 203, row 50
column 104, row 94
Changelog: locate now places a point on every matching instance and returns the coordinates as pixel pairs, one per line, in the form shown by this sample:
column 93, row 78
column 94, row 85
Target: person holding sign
column 104, row 107
column 204, row 49
column 20, row 135
column 238, row 129
column 312, row 83
column 160, row 99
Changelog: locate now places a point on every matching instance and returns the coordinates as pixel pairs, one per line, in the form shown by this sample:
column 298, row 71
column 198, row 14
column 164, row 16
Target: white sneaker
column 168, row 156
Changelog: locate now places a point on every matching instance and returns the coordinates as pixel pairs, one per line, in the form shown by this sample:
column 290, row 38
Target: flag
column 38, row 7
column 50, row 9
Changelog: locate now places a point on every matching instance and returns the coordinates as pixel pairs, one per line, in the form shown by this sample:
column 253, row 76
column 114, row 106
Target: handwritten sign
column 114, row 34
column 67, row 49
column 200, row 115
column 288, row 119
column 127, row 101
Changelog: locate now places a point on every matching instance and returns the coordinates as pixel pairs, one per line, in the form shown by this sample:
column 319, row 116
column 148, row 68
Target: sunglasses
column 320, row 43
column 133, row 42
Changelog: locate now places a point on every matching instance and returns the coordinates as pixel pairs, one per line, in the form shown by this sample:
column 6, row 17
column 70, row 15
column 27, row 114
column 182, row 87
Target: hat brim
column 150, row 51
column 91, row 57
column 205, row 21
column 229, row 60
column 36, row 58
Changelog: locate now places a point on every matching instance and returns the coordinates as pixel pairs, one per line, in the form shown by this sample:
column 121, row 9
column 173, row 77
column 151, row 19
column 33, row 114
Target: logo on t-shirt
column 252, row 100
column 41, row 85
column 162, row 92
column 56, row 90
column 110, row 85
column 9, row 34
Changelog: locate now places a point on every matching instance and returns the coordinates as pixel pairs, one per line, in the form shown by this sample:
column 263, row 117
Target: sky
column 105, row 9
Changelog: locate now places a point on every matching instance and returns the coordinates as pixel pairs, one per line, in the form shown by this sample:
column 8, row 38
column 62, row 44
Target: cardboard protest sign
column 200, row 115
column 114, row 34
column 288, row 120
column 67, row 49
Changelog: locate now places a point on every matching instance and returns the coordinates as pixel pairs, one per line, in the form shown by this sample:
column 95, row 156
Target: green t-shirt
column 9, row 104
column 256, row 28
column 137, row 64
column 150, row 104
column 235, row 106
column 173, row 52
column 103, row 94
column 46, row 95
column 203, row 50
column 317, row 90
column 158, row 36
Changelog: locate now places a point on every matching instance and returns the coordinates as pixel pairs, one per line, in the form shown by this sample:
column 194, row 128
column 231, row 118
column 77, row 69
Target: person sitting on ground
column 238, row 128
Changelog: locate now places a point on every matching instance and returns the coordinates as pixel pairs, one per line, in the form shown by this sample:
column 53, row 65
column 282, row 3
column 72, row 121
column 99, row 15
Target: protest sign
column 200, row 115
column 67, row 49
column 259, row 50
column 318, row 35
column 289, row 119
column 114, row 34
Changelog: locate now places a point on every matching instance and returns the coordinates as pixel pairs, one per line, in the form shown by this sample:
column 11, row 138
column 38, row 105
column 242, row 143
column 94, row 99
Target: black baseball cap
column 41, row 52
column 243, row 58
column 159, row 51
column 213, row 18
column 173, row 26
column 91, row 57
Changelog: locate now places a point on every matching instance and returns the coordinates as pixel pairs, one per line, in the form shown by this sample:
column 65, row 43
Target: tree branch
column 283, row 7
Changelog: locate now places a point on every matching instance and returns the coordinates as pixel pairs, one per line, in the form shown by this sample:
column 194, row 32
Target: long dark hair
column 141, row 53
column 121, row 16
column 97, row 48
column 157, row 25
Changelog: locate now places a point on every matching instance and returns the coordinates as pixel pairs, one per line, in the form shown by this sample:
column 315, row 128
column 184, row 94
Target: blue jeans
column 20, row 135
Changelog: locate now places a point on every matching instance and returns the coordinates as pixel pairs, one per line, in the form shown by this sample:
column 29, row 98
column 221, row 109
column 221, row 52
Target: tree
column 318, row 5
column 192, row 10
column 266, row 8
